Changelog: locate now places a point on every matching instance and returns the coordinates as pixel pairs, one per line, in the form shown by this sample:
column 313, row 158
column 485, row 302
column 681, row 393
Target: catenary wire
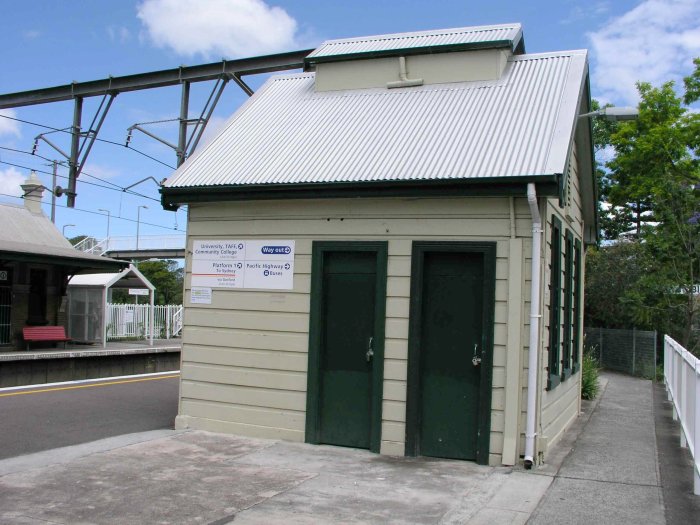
column 96, row 138
column 102, row 214
column 118, row 188
column 53, row 160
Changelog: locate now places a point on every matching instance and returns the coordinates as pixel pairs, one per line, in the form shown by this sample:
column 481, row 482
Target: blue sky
column 47, row 43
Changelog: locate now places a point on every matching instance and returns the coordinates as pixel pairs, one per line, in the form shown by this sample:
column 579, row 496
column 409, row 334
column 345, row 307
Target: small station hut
column 385, row 251
column 88, row 298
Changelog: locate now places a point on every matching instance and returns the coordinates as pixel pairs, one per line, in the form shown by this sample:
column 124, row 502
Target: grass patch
column 589, row 377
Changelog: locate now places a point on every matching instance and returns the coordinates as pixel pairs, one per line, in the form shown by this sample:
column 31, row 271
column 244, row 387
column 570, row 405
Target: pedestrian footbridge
column 136, row 248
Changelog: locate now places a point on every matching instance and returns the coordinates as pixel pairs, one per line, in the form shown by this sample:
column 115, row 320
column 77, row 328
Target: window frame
column 577, row 305
column 568, row 325
column 554, row 305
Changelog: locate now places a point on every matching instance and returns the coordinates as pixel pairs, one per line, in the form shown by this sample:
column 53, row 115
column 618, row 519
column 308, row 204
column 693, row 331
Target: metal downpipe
column 535, row 316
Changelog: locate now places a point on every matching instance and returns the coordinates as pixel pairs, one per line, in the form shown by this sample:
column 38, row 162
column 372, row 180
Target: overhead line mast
column 110, row 87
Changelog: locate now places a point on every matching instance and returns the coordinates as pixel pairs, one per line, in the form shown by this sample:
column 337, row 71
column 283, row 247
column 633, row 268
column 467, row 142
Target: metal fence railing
column 132, row 321
column 682, row 379
column 630, row 351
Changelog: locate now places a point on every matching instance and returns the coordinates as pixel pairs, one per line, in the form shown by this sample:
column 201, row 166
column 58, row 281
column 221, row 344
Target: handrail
column 682, row 379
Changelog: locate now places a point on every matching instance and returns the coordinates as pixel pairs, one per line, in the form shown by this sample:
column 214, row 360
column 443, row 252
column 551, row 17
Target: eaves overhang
column 310, row 63
column 173, row 197
column 76, row 263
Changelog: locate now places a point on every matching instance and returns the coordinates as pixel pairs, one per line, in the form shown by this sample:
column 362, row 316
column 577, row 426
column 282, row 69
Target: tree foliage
column 652, row 190
column 167, row 277
column 77, row 239
column 611, row 273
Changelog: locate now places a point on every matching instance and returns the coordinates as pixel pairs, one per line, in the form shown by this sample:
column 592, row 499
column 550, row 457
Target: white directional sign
column 263, row 264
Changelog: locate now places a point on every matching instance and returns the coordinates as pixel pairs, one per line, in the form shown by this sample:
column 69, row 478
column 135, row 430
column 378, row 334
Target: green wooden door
column 451, row 336
column 347, row 335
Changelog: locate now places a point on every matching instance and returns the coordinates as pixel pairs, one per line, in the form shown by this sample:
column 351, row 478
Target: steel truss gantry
column 108, row 88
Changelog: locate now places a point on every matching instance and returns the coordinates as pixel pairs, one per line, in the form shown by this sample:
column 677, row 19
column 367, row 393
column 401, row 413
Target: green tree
column 612, row 272
column 616, row 221
column 653, row 180
column 78, row 238
column 167, row 276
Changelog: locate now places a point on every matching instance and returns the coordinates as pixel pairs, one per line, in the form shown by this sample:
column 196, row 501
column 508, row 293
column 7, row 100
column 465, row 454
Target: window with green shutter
column 576, row 339
column 567, row 342
column 554, row 305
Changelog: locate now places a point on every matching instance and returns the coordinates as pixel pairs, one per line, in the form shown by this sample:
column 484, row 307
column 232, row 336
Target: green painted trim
column 310, row 62
column 553, row 381
column 547, row 185
column 320, row 248
column 554, row 304
column 420, row 248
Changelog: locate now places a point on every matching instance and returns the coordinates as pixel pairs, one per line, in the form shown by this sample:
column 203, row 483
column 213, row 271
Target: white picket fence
column 131, row 321
column 682, row 378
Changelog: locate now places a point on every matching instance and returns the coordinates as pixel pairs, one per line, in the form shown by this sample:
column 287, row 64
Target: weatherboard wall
column 559, row 406
column 244, row 357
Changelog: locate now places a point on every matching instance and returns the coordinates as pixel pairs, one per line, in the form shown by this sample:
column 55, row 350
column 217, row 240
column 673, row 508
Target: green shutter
column 577, row 307
column 554, row 305
column 568, row 304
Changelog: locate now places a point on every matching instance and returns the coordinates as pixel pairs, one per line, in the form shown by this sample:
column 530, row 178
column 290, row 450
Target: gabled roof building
column 370, row 239
column 36, row 262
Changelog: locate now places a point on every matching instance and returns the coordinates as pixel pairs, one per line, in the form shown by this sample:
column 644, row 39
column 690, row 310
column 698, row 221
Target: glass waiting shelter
column 89, row 295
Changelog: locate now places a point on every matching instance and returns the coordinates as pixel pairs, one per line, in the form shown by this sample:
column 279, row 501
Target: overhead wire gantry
column 108, row 88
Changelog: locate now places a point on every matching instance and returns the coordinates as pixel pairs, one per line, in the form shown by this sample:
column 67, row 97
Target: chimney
column 33, row 192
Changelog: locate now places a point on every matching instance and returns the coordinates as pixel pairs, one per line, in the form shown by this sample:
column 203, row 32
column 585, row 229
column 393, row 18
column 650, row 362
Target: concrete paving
column 199, row 477
column 676, row 464
column 611, row 475
column 604, row 471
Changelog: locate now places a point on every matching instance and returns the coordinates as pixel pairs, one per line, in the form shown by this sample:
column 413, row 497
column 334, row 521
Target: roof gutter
column 173, row 197
column 535, row 315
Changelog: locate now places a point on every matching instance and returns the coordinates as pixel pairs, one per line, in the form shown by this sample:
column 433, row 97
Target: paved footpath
column 611, row 475
column 603, row 472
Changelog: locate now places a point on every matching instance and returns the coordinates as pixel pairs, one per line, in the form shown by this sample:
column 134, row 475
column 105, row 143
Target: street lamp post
column 64, row 228
column 109, row 216
column 614, row 113
column 138, row 223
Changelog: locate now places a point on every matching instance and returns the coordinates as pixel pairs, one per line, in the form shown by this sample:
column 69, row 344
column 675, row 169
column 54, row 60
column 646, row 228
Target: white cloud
column 654, row 42
column 10, row 180
column 7, row 126
column 578, row 13
column 119, row 34
column 100, row 171
column 31, row 34
column 218, row 28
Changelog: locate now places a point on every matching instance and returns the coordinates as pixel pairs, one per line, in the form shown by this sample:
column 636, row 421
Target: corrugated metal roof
column 25, row 232
column 463, row 36
column 519, row 125
column 131, row 277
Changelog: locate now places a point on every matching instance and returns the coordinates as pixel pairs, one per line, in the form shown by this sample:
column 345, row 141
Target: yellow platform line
column 75, row 387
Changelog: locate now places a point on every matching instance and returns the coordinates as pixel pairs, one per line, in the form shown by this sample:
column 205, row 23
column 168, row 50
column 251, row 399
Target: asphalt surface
column 47, row 417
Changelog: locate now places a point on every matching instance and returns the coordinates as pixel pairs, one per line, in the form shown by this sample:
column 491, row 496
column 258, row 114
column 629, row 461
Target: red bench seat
column 45, row 334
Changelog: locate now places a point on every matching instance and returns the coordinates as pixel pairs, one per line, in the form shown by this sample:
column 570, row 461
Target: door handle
column 370, row 350
column 476, row 360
